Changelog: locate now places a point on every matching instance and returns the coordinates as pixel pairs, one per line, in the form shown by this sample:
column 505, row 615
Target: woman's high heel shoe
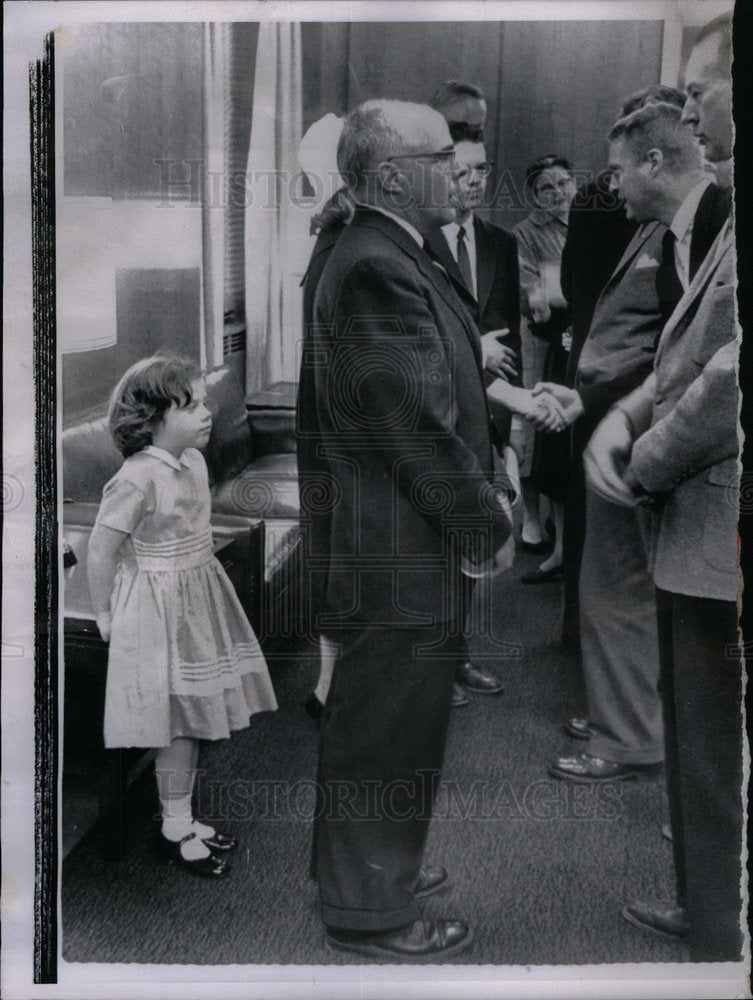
column 209, row 867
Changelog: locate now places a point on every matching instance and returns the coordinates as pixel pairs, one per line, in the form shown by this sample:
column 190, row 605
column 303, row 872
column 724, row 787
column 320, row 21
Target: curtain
column 213, row 191
column 273, row 220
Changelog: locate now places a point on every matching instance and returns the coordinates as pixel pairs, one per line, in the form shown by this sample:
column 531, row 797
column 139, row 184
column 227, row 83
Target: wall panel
column 550, row 86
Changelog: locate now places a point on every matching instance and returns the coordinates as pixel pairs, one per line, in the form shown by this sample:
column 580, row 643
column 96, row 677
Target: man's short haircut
column 548, row 162
column 454, row 90
column 722, row 27
column 371, row 134
column 656, row 94
column 659, row 126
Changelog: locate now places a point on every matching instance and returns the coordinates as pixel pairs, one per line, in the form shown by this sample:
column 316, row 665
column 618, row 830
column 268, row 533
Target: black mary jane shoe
column 220, row 843
column 209, row 867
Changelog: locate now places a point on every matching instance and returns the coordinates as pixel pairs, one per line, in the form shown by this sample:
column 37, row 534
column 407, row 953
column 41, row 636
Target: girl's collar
column 541, row 218
column 166, row 457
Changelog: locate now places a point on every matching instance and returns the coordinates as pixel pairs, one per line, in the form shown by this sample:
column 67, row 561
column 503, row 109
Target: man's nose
column 614, row 184
column 689, row 115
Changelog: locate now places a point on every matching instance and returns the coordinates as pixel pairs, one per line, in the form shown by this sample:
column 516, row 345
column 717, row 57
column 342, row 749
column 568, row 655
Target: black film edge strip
column 42, row 115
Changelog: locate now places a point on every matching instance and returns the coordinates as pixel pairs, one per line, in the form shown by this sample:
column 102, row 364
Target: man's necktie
column 669, row 288
column 464, row 261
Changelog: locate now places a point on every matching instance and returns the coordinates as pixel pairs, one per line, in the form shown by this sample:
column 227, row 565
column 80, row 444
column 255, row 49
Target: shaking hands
column 559, row 406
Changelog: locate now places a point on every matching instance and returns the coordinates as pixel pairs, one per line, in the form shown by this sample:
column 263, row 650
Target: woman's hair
column 143, row 395
column 339, row 209
column 548, row 162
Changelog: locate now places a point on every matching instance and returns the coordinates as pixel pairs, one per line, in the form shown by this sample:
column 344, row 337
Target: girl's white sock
column 176, row 817
column 178, row 822
column 202, row 830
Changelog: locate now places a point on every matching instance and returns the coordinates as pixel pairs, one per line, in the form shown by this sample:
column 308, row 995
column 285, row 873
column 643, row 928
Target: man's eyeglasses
column 482, row 169
column 444, row 158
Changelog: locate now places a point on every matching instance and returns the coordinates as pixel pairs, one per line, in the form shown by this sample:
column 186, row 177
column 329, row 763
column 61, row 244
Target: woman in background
column 545, row 344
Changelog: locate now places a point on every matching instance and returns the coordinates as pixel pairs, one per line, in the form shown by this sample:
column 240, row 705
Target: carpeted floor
column 541, row 868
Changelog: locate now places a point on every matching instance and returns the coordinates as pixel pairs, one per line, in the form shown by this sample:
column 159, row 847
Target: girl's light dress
column 183, row 659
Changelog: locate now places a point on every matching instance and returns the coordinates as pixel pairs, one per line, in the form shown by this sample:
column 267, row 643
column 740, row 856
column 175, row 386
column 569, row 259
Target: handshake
column 548, row 406
column 553, row 407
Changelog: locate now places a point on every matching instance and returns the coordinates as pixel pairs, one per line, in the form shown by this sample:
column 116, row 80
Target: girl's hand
column 104, row 625
column 102, row 564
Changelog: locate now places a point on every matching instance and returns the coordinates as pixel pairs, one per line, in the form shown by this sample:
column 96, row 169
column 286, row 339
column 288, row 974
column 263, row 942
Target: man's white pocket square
column 645, row 261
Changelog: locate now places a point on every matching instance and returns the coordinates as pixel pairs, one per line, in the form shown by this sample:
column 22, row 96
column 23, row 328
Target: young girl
column 184, row 663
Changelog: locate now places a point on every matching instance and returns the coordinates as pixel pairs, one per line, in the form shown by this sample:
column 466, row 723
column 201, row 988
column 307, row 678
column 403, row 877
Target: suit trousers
column 701, row 687
column 382, row 745
column 574, row 531
column 466, row 587
column 618, row 635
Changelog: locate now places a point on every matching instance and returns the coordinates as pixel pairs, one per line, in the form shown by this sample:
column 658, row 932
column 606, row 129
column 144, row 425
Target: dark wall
column 551, row 86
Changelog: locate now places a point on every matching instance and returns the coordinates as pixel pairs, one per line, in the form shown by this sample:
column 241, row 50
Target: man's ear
column 655, row 160
column 390, row 177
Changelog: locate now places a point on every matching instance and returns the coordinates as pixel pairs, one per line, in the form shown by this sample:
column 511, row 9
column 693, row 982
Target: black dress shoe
column 659, row 916
column 477, row 680
column 543, row 575
column 431, row 879
column 422, row 941
column 313, row 707
column 459, row 697
column 219, row 843
column 209, row 867
column 579, row 728
column 585, row 768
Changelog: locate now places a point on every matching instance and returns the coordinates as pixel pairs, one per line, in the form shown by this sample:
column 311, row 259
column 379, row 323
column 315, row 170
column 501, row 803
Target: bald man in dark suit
column 405, row 431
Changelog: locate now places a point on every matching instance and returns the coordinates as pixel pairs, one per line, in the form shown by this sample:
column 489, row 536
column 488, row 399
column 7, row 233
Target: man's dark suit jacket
column 498, row 289
column 598, row 231
column 497, row 278
column 314, row 477
column 619, row 350
column 404, row 418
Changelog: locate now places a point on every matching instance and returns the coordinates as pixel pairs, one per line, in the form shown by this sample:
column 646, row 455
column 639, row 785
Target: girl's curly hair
column 143, row 395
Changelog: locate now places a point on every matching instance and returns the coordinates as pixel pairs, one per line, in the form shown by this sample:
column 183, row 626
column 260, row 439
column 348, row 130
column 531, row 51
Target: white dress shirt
column 451, row 234
column 682, row 227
